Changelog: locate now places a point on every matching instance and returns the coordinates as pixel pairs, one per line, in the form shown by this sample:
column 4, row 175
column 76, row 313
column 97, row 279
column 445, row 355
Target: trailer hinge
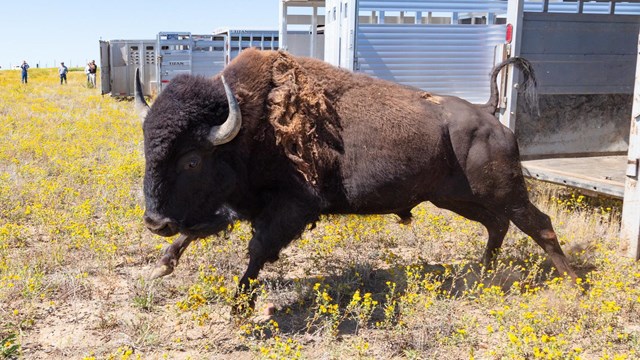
column 632, row 167
column 351, row 39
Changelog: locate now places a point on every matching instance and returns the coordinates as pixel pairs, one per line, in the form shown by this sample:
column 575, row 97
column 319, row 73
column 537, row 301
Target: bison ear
column 141, row 106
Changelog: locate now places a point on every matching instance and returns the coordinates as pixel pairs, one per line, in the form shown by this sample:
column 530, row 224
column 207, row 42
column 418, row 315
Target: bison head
column 188, row 177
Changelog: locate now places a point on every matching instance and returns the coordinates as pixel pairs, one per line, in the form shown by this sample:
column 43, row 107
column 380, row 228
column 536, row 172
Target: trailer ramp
column 596, row 174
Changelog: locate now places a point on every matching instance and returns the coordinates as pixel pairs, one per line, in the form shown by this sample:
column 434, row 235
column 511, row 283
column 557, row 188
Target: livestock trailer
column 118, row 62
column 301, row 30
column 447, row 47
column 586, row 59
column 186, row 53
column 240, row 39
column 174, row 53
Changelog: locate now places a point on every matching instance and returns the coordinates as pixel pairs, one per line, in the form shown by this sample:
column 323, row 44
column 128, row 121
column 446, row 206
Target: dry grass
column 74, row 260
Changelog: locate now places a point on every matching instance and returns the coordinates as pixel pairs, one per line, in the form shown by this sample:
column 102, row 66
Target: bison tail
column 527, row 86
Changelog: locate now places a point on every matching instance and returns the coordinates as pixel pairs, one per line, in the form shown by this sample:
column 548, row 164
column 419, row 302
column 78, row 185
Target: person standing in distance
column 86, row 72
column 92, row 73
column 25, row 68
column 62, row 70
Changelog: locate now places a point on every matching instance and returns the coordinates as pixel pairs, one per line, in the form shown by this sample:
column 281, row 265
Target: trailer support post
column 630, row 227
column 514, row 17
column 282, row 34
column 314, row 32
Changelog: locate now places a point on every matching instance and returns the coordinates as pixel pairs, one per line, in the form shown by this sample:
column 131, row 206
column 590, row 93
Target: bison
column 279, row 140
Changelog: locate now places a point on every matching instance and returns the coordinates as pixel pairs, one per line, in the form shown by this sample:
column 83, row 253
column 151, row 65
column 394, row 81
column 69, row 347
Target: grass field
column 75, row 260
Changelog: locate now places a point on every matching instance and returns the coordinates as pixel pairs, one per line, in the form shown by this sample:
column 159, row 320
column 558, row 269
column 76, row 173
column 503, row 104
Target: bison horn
column 229, row 129
column 142, row 108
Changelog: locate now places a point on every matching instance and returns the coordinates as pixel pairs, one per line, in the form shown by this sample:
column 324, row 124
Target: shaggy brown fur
column 303, row 119
column 430, row 97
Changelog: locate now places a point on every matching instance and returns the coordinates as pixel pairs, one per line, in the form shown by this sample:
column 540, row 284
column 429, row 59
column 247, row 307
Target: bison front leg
column 169, row 260
column 497, row 225
column 282, row 221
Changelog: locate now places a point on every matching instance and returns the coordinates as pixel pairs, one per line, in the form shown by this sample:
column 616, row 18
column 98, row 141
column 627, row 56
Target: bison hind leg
column 496, row 225
column 405, row 216
column 533, row 222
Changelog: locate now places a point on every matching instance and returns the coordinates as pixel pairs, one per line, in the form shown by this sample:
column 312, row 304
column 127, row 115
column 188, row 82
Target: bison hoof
column 165, row 266
column 265, row 315
column 269, row 310
column 160, row 271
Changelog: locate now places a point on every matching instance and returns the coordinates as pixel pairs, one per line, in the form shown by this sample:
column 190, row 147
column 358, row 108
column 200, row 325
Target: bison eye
column 192, row 164
column 189, row 161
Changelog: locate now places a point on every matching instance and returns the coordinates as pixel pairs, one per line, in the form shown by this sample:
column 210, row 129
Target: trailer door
column 105, row 68
column 175, row 52
column 207, row 55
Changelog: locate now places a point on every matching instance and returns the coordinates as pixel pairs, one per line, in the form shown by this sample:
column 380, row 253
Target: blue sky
column 47, row 32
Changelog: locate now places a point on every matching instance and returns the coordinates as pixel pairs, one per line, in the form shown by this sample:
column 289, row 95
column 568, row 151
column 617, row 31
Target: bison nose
column 160, row 225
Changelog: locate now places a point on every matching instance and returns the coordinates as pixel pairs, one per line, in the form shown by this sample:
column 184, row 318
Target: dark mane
column 305, row 123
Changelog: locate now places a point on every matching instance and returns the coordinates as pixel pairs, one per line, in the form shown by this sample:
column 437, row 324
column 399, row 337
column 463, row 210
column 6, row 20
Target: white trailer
column 302, row 27
column 118, row 62
column 446, row 47
column 173, row 53
column 186, row 53
column 240, row 39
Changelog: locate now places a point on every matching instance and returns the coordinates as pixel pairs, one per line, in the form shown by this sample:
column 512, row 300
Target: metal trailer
column 186, row 53
column 586, row 59
column 301, row 29
column 446, row 47
column 240, row 39
column 174, row 53
column 118, row 62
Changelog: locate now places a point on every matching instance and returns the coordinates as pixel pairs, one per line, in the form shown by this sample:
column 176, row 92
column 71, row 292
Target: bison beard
column 317, row 140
